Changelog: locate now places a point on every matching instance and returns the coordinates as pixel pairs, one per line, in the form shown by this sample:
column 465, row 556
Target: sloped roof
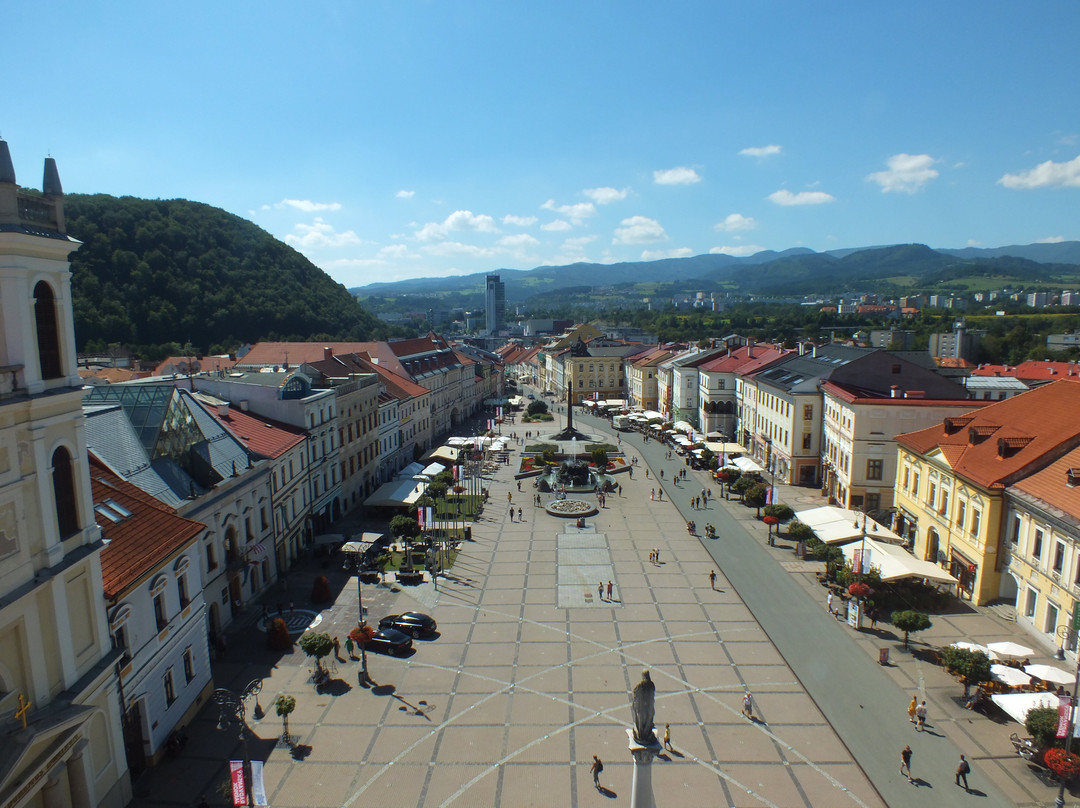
column 110, row 435
column 1033, row 370
column 142, row 533
column 799, row 374
column 202, row 364
column 1056, row 486
column 746, row 356
column 998, row 444
column 263, row 436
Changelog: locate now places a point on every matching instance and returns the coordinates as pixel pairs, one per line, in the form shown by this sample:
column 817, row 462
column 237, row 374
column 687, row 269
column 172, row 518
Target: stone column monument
column 644, row 745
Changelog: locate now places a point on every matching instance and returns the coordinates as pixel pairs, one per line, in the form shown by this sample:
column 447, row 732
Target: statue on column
column 643, row 708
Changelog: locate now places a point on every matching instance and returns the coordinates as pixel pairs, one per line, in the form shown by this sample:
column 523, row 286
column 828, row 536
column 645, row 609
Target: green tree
column 800, row 531
column 405, row 529
column 537, row 407
column 599, row 458
column 317, row 646
column 972, row 666
column 755, row 496
column 910, row 621
column 284, row 705
column 1041, row 724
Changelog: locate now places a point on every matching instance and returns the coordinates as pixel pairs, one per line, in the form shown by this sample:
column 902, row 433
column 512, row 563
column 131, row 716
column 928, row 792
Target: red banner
column 239, row 792
column 1064, row 708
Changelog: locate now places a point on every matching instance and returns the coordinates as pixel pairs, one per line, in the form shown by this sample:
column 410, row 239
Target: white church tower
column 61, row 742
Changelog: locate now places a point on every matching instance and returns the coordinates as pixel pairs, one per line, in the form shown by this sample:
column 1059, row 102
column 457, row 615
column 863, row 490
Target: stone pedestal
column 641, row 792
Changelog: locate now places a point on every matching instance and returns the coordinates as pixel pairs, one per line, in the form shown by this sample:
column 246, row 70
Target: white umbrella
column 1009, row 649
column 970, row 646
column 1048, row 673
column 1010, row 676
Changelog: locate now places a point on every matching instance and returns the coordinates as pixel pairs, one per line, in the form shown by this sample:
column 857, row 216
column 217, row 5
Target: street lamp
column 354, row 562
column 231, row 708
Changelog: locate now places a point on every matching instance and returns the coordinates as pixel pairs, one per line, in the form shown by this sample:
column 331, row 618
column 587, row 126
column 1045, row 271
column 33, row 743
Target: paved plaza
column 531, row 673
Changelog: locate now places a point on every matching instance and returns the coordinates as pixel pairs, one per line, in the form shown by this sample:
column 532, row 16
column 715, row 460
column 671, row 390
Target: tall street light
column 231, row 708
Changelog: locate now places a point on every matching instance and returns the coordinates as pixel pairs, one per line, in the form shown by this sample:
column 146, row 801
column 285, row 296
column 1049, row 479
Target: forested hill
column 155, row 272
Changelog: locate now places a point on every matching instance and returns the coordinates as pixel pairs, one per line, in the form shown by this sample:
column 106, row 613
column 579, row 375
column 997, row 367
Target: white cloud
column 320, row 235
column 735, row 221
column 1050, row 240
column 971, row 242
column 906, row 173
column 786, row 197
column 458, row 221
column 575, row 213
column 577, row 242
column 737, row 250
column 761, row 151
column 656, row 255
column 444, row 248
column 396, row 251
column 305, row 205
column 605, row 196
column 518, row 241
column 520, row 221
column 557, row 226
column 1046, row 175
column 403, row 194
column 639, row 230
column 676, row 176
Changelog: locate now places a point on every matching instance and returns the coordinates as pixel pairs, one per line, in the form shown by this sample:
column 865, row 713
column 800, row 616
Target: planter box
column 410, row 578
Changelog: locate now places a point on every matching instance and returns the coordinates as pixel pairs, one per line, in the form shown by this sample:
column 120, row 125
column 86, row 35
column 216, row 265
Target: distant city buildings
column 495, row 304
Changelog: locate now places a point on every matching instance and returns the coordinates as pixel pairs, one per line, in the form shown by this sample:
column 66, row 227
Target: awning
column 653, row 415
column 363, row 544
column 719, row 447
column 683, row 426
column 746, row 464
column 714, row 435
column 1018, row 705
column 410, row 471
column 448, row 453
column 895, row 563
column 839, row 525
column 330, row 538
column 432, row 469
column 396, row 494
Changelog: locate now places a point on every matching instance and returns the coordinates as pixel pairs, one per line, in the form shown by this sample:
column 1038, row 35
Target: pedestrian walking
column 920, row 716
column 511, row 513
column 905, row 762
column 667, row 738
column 509, row 496
column 619, row 486
column 646, row 474
column 962, row 771
column 337, row 650
column 652, row 495
column 596, row 768
column 610, row 589
column 828, row 605
column 349, row 647
column 712, row 579
column 692, row 502
column 292, row 607
column 748, row 705
column 911, row 709
column 660, row 495
column 519, row 514
column 519, row 485
column 600, row 590
column 656, row 553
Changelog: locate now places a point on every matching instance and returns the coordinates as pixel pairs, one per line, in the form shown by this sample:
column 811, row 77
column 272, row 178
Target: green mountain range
column 151, row 273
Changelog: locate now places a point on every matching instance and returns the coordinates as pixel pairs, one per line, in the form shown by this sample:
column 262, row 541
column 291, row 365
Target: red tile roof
column 854, row 395
column 744, row 356
column 1052, row 485
column 1006, row 440
column 137, row 544
column 263, row 436
column 1032, row 370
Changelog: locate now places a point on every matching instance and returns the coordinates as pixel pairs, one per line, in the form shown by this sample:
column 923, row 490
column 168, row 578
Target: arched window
column 63, row 480
column 48, row 338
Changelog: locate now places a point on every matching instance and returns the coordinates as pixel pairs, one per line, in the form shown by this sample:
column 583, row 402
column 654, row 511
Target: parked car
column 531, row 397
column 415, row 624
column 390, row 641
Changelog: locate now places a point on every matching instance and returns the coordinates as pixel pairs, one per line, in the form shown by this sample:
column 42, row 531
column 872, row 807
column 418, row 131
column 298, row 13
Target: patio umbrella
column 971, row 646
column 1010, row 676
column 1009, row 649
column 1048, row 673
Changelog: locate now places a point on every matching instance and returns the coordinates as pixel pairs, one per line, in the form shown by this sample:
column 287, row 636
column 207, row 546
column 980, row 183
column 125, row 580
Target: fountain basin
column 570, row 508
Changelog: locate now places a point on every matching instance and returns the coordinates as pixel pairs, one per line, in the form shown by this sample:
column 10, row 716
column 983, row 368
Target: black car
column 390, row 641
column 415, row 624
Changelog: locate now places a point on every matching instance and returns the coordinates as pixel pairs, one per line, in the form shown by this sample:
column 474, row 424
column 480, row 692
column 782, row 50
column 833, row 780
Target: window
column 1031, row 602
column 915, row 485
column 170, row 688
column 808, row 412
column 189, row 664
column 1050, row 624
column 181, row 586
column 211, row 558
column 907, row 478
column 63, row 482
column 976, row 520
column 1014, row 533
column 873, row 502
column 120, row 642
column 1036, row 544
column 806, row 441
column 961, row 513
column 931, row 494
column 48, row 333
column 160, row 615
column 944, row 507
column 874, row 469
column 1059, row 557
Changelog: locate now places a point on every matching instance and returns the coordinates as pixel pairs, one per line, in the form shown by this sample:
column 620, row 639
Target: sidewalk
column 814, row 647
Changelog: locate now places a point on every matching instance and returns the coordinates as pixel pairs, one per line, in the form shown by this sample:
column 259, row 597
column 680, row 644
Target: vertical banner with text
column 236, row 773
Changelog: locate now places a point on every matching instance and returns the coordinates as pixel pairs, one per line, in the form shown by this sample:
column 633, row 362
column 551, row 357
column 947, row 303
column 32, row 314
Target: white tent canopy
column 1018, row 705
column 683, row 426
column 432, row 469
column 895, row 563
column 363, row 544
column 652, row 415
column 396, row 494
column 1048, row 673
column 838, row 525
column 745, row 464
column 410, row 471
column 724, row 448
column 1013, row 677
column 447, row 453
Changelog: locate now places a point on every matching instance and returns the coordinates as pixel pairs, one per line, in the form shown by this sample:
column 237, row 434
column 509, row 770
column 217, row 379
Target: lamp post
column 231, row 708
column 1070, row 630
column 354, row 562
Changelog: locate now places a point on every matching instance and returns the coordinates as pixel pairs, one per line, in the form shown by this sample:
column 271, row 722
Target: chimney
column 223, row 410
column 802, row 347
column 814, row 352
column 894, row 391
column 244, row 406
column 327, row 352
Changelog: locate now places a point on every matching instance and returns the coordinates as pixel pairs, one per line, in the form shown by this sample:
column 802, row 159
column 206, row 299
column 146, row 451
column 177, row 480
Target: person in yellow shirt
column 911, row 709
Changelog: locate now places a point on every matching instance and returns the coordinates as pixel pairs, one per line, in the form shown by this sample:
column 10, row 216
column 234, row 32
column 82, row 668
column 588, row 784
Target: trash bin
column 468, row 532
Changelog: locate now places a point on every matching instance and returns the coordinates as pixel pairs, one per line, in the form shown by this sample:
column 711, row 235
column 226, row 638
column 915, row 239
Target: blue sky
column 388, row 140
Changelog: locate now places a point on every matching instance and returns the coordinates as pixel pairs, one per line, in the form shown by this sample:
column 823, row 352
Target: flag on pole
column 420, row 517
column 239, row 786
column 258, row 785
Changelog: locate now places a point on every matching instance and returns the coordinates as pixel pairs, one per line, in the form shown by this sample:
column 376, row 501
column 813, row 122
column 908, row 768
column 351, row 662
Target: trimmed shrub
column 278, row 637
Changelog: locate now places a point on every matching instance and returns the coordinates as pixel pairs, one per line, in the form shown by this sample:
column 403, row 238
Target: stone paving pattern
column 531, row 673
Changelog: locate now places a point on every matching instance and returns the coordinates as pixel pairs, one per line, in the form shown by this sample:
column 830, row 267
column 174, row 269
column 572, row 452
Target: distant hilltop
column 895, row 269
